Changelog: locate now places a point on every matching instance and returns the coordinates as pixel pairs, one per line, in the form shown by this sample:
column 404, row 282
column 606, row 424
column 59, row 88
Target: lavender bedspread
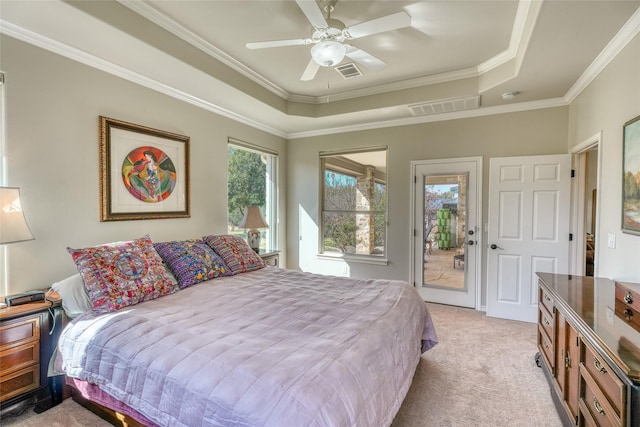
column 272, row 347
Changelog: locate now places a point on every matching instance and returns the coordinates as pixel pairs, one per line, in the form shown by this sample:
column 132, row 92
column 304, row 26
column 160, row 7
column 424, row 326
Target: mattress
column 272, row 347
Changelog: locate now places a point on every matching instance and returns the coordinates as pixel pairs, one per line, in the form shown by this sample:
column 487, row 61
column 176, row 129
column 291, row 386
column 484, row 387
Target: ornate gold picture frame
column 144, row 172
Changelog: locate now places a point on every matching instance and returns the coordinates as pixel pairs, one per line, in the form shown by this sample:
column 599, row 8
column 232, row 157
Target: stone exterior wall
column 365, row 237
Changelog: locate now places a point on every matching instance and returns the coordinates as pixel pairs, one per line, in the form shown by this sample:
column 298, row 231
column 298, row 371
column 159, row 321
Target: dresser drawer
column 545, row 320
column 546, row 347
column 20, row 357
column 605, row 379
column 586, row 420
column 19, row 382
column 629, row 294
column 546, row 299
column 17, row 332
column 597, row 405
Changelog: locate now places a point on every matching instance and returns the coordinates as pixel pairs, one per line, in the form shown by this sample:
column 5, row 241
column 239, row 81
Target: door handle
column 494, row 246
column 470, row 242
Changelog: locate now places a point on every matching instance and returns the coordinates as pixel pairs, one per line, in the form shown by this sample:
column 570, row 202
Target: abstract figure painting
column 144, row 172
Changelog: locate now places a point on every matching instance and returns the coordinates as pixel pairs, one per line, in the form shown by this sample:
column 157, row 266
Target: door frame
column 578, row 214
column 479, row 236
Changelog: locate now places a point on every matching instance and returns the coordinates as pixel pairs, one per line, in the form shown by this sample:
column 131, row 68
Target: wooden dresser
column 590, row 354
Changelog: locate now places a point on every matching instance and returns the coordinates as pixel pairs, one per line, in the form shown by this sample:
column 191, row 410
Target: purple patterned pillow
column 192, row 261
column 235, row 252
column 121, row 274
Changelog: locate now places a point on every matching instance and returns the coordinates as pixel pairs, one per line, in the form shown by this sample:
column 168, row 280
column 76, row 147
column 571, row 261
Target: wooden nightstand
column 270, row 257
column 28, row 335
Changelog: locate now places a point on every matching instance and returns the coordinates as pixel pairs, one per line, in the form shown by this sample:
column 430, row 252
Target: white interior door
column 529, row 202
column 446, row 216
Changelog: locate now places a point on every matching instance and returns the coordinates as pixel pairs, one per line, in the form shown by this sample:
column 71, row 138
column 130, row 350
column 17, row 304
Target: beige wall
column 516, row 134
column 51, row 152
column 612, row 99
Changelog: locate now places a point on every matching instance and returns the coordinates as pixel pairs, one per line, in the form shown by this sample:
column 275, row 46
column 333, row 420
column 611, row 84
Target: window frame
column 272, row 193
column 345, row 170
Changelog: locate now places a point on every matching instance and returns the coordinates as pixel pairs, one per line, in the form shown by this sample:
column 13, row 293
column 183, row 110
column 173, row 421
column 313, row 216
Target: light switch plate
column 611, row 241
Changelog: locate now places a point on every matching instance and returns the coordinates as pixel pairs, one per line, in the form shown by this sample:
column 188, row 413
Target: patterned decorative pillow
column 235, row 252
column 121, row 274
column 192, row 261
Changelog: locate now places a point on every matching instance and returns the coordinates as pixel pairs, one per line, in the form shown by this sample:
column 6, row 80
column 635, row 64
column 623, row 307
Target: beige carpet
column 482, row 373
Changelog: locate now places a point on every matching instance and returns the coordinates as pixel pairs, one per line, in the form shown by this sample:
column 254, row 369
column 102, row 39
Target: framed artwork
column 631, row 177
column 144, row 172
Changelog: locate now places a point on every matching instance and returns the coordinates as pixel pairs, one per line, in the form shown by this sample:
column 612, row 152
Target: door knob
column 470, row 242
column 494, row 246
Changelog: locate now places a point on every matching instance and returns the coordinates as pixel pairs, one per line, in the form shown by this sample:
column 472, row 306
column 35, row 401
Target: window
column 252, row 181
column 354, row 200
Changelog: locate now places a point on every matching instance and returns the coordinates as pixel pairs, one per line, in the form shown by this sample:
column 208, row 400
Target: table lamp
column 13, row 225
column 253, row 220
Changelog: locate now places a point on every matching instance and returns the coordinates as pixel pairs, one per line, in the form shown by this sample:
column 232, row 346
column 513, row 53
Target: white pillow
column 75, row 300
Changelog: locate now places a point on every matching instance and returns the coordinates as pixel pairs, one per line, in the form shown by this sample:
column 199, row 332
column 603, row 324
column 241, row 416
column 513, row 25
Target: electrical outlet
column 611, row 241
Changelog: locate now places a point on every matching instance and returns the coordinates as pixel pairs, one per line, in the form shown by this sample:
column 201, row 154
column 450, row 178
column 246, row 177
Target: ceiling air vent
column 348, row 71
column 445, row 106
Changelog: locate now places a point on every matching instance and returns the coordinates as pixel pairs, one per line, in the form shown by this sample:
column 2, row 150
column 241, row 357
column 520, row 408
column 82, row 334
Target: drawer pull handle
column 598, row 406
column 567, row 361
column 628, row 314
column 546, row 321
column 599, row 366
column 546, row 298
column 628, row 298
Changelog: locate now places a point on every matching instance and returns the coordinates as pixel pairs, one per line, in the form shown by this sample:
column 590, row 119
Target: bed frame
column 114, row 417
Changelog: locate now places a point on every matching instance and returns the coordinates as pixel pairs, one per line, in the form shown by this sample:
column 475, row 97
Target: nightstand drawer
column 20, row 331
column 19, row 382
column 20, row 357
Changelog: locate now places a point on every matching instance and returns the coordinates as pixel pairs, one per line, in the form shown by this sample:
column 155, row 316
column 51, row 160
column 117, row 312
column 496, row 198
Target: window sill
column 363, row 259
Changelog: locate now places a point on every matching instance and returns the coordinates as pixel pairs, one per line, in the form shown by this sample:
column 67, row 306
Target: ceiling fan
column 329, row 35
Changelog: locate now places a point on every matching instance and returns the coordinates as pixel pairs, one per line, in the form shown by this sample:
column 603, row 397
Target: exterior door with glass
column 446, row 221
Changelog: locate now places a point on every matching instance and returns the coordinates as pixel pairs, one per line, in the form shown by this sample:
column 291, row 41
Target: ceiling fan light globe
column 328, row 53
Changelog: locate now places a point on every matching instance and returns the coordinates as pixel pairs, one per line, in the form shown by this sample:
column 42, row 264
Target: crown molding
column 523, row 14
column 152, row 14
column 628, row 31
column 480, row 112
column 93, row 61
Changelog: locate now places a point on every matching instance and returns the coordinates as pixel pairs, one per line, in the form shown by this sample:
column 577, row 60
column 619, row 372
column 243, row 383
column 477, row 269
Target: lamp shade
column 328, row 53
column 13, row 226
column 252, row 218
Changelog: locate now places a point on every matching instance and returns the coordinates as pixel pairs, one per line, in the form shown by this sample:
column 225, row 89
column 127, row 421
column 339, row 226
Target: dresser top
column 591, row 301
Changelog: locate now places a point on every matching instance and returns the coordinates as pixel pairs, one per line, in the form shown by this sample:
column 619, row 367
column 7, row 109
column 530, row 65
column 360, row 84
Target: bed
column 264, row 347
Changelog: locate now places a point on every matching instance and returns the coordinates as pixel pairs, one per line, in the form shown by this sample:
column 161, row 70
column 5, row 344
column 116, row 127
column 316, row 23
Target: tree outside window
column 252, row 182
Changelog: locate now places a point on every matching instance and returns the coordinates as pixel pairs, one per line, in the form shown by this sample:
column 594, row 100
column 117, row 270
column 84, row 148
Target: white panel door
column 529, row 202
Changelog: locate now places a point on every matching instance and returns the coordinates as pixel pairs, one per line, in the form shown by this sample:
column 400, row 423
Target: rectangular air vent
column 445, row 106
column 348, row 71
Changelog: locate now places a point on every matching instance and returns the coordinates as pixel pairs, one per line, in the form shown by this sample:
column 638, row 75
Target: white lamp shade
column 252, row 218
column 328, row 53
column 13, row 226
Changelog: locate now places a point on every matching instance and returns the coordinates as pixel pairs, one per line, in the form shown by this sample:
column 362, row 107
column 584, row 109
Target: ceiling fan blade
column 380, row 25
column 278, row 43
column 310, row 71
column 364, row 58
column 313, row 13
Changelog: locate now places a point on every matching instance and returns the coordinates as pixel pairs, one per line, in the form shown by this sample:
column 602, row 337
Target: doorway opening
column 585, row 206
